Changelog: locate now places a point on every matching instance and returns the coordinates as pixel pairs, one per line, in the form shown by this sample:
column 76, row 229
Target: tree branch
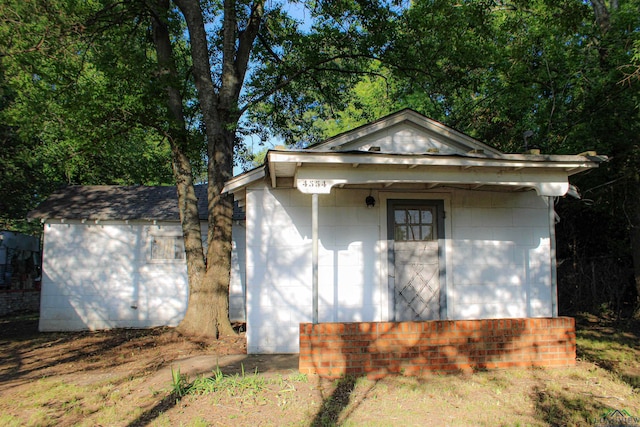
column 200, row 54
column 245, row 43
column 602, row 15
column 35, row 48
column 287, row 80
column 229, row 77
column 273, row 55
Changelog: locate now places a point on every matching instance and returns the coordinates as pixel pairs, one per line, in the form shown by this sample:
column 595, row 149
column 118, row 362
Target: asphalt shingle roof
column 114, row 202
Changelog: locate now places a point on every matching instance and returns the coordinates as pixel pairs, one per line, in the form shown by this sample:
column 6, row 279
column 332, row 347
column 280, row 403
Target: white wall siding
column 238, row 275
column 402, row 138
column 279, row 294
column 500, row 253
column 101, row 276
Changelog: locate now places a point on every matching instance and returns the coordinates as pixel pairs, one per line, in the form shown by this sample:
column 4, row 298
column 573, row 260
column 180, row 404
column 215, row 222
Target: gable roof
column 115, row 202
column 405, row 132
column 407, row 148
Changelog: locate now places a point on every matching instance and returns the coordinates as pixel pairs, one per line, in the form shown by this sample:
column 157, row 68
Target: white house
column 400, row 219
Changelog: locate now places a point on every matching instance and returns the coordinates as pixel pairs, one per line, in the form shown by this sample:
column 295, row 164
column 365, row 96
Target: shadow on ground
column 612, row 345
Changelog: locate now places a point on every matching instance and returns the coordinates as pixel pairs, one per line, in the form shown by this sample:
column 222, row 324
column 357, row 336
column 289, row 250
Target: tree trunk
column 602, row 15
column 199, row 320
column 208, row 310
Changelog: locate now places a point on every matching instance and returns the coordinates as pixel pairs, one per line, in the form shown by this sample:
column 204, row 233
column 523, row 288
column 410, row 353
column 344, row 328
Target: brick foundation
column 376, row 349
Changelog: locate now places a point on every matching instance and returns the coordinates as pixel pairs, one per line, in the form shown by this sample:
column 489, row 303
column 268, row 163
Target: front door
column 414, row 228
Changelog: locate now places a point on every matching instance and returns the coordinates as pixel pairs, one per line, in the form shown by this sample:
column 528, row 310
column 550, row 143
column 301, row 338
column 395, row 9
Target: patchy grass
column 614, row 346
column 124, row 379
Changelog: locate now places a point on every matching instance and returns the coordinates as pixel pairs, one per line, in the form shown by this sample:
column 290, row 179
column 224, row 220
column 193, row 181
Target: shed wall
column 101, row 276
column 279, row 264
column 500, row 256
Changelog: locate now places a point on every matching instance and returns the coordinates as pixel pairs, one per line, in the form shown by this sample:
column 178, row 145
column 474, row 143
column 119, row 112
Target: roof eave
column 568, row 162
column 241, row 181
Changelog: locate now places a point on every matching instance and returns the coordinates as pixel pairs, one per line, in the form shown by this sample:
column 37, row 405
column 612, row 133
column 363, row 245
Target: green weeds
column 179, row 383
column 235, row 385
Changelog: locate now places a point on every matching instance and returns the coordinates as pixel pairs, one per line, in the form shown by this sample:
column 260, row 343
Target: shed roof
column 116, row 202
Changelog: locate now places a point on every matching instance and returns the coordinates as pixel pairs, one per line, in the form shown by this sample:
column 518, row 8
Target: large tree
column 103, row 87
column 245, row 57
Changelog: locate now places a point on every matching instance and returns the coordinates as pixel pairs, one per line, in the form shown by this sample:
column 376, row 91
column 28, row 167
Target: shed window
column 167, row 248
column 415, row 223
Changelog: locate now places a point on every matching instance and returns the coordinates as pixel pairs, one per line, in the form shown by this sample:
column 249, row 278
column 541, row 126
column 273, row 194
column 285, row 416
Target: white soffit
column 287, row 160
column 548, row 174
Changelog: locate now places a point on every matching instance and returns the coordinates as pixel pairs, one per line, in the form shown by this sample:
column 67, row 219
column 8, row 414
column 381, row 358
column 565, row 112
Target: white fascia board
column 242, row 180
column 567, row 163
column 331, row 161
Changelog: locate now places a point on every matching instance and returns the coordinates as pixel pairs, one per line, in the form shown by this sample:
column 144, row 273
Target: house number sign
column 312, row 183
column 319, row 186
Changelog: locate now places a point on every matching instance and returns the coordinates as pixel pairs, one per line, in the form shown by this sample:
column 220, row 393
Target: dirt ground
column 124, row 378
column 90, row 355
column 144, row 358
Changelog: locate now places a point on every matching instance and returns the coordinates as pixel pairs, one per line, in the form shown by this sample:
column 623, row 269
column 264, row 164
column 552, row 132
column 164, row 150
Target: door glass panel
column 401, row 233
column 414, row 216
column 415, row 233
column 426, row 216
column 414, row 224
column 426, row 232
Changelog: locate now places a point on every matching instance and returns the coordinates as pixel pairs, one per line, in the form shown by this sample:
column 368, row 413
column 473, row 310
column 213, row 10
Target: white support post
column 552, row 250
column 314, row 254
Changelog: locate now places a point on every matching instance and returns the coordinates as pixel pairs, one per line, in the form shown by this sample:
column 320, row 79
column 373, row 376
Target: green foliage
column 78, row 105
column 305, row 74
column 179, row 383
column 234, row 385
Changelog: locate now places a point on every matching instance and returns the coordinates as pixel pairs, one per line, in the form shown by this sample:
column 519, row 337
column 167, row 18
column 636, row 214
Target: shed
column 113, row 257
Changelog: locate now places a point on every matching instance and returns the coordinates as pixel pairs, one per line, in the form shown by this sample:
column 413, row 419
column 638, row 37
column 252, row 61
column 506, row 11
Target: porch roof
column 408, row 150
column 313, row 171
